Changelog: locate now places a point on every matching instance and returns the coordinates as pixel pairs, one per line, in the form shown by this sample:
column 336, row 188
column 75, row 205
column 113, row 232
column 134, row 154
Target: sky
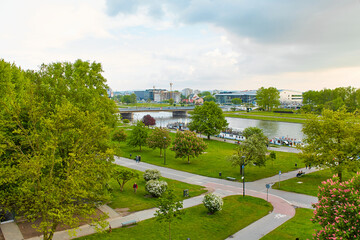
column 199, row 44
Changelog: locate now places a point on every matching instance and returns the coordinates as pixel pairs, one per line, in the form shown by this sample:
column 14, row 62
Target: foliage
column 209, row 98
column 129, row 98
column 171, row 101
column 187, row 144
column 333, row 99
column 148, row 120
column 123, row 175
column 236, row 101
column 267, row 98
column 126, row 121
column 204, row 93
column 151, row 174
column 252, row 150
column 332, row 141
column 169, row 209
column 119, row 135
column 338, row 209
column 55, row 154
column 155, row 187
column 213, row 202
column 249, row 131
column 208, row 119
column 159, row 138
column 138, row 135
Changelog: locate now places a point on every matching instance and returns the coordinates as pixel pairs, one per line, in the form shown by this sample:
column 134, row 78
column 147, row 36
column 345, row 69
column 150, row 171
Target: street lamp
column 164, row 151
column 243, row 174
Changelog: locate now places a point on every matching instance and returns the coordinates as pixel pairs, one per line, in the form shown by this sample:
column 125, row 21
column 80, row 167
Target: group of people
column 137, row 158
column 300, row 173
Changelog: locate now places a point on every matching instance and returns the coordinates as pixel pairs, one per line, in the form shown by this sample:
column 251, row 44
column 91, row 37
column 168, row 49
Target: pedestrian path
column 11, row 231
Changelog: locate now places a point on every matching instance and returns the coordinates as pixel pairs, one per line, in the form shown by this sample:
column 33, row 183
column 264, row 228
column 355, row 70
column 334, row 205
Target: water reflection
column 271, row 129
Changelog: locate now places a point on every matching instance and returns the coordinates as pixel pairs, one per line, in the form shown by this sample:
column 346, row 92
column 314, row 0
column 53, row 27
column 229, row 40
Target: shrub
column 151, row 174
column 213, row 202
column 119, row 135
column 126, row 121
column 156, row 188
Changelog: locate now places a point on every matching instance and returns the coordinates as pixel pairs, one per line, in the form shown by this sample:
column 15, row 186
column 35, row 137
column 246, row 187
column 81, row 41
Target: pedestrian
column 309, row 166
column 295, row 164
column 130, row 155
column 306, row 166
column 135, row 187
column 139, row 159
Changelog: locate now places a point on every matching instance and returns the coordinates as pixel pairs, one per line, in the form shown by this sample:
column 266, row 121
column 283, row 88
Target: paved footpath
column 283, row 202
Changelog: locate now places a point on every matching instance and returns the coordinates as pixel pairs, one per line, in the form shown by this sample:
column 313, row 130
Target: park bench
column 231, row 178
column 128, row 223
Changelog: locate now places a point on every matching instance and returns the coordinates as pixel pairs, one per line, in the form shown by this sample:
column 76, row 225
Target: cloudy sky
column 201, row 44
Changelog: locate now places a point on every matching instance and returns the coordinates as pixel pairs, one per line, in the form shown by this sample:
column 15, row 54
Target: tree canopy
column 268, row 98
column 208, row 119
column 148, row 120
column 55, row 154
column 159, row 138
column 138, row 136
column 236, row 101
column 187, row 144
column 332, row 140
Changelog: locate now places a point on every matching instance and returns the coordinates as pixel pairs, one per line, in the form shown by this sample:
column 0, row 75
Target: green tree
column 169, row 209
column 338, row 209
column 332, row 141
column 119, row 135
column 209, row 98
column 236, row 101
column 252, row 150
column 208, row 119
column 268, row 98
column 138, row 135
column 129, row 98
column 249, row 131
column 187, row 144
column 159, row 138
column 123, row 175
column 205, row 93
column 171, row 101
column 55, row 154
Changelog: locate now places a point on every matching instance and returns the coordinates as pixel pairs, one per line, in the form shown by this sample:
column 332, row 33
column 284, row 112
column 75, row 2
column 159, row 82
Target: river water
column 271, row 129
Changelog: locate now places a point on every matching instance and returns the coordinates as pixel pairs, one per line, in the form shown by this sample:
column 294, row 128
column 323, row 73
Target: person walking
column 135, row 187
column 139, row 159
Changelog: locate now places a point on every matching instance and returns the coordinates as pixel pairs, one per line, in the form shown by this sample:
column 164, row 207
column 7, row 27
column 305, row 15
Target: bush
column 119, row 135
column 156, row 188
column 126, row 121
column 213, row 202
column 151, row 174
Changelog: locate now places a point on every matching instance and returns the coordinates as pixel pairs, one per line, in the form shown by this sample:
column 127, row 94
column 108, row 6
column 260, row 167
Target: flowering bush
column 338, row 209
column 156, row 188
column 151, row 174
column 213, row 202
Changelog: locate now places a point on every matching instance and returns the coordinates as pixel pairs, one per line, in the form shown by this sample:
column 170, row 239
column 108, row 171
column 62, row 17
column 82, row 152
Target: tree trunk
column 208, row 137
column 160, row 152
column 340, row 175
column 140, row 148
column 188, row 159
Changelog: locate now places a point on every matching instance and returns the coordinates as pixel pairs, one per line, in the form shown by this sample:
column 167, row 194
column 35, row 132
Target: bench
column 231, row 178
column 128, row 223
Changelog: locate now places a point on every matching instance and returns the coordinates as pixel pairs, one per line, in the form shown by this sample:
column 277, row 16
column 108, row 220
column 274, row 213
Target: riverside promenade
column 284, row 203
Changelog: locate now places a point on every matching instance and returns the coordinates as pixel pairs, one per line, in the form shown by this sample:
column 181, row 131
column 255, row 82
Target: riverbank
column 268, row 116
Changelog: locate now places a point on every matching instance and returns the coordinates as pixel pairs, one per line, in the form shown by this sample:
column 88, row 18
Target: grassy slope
column 196, row 223
column 214, row 161
column 299, row 226
column 140, row 200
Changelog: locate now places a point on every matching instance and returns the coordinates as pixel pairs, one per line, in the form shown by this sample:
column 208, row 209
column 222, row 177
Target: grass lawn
column 196, row 223
column 308, row 183
column 299, row 226
column 140, row 200
column 278, row 117
column 214, row 161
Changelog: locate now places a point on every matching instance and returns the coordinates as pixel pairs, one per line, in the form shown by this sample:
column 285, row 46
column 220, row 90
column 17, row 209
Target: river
column 271, row 129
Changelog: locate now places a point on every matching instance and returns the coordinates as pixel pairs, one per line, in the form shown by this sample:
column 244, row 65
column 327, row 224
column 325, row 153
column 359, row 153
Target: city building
column 187, row 92
column 290, row 97
column 225, row 97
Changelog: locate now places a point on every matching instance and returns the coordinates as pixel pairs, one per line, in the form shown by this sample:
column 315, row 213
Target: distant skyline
column 202, row 44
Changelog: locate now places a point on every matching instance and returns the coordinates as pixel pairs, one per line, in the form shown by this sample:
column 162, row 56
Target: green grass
column 214, row 161
column 277, row 117
column 299, row 226
column 308, row 183
column 140, row 200
column 237, row 213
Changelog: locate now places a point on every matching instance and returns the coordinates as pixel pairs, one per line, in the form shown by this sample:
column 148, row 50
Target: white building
column 187, row 91
column 290, row 97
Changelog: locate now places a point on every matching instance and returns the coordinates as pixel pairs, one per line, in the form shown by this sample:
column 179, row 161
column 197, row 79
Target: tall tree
column 187, row 144
column 332, row 141
column 209, row 98
column 124, row 175
column 268, row 98
column 148, row 120
column 236, row 101
column 159, row 138
column 249, row 131
column 208, row 119
column 252, row 150
column 55, row 155
column 138, row 135
column 169, row 209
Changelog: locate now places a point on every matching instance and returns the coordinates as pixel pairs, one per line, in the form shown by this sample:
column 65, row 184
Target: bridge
column 127, row 113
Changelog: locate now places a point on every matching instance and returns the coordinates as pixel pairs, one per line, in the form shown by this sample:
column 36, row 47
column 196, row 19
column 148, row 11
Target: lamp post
column 243, row 175
column 164, row 151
